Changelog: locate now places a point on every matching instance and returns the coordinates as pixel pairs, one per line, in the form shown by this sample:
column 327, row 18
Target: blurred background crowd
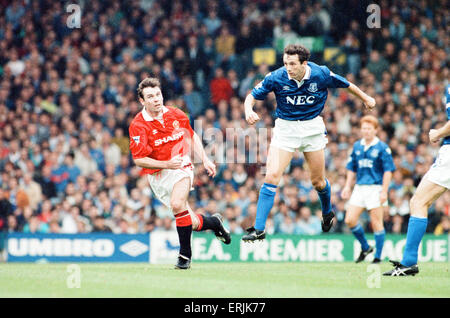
column 67, row 96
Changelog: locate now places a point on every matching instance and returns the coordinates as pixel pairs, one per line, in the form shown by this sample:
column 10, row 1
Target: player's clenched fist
column 175, row 162
column 251, row 117
column 434, row 135
column 370, row 103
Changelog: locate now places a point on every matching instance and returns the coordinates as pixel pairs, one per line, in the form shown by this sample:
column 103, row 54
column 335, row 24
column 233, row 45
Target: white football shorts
column 301, row 135
column 367, row 196
column 439, row 172
column 162, row 182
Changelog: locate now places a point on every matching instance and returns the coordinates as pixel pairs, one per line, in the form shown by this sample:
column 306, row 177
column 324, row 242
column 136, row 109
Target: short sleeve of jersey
column 352, row 164
column 261, row 90
column 388, row 161
column 139, row 145
column 333, row 80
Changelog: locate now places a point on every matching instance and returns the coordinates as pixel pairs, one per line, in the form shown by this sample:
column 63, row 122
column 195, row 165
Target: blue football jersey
column 447, row 106
column 370, row 162
column 299, row 100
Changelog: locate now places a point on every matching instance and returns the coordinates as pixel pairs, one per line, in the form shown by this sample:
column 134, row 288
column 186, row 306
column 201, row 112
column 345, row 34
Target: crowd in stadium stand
column 67, row 96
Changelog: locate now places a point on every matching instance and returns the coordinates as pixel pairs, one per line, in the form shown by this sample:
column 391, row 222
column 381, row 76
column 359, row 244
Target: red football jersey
column 160, row 139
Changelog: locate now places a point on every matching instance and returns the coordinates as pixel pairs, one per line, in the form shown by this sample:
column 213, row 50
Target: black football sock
column 184, row 228
column 207, row 223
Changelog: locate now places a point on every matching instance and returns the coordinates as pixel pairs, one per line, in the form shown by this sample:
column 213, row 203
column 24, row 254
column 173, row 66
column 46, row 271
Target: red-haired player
column 371, row 164
column 160, row 139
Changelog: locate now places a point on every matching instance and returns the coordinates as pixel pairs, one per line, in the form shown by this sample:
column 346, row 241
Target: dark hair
column 148, row 82
column 302, row 52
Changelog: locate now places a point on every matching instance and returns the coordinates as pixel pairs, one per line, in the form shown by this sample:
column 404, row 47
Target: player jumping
column 433, row 184
column 301, row 89
column 372, row 164
column 159, row 143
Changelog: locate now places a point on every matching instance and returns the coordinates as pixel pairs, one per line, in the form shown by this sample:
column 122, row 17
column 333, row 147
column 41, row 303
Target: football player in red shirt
column 160, row 143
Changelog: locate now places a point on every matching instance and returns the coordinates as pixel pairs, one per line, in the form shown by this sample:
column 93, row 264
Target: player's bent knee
column 272, row 178
column 416, row 205
column 416, row 202
column 350, row 222
column 178, row 206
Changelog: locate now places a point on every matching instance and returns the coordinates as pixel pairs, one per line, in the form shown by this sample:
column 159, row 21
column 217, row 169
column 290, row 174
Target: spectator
column 35, row 226
column 54, row 227
column 110, row 150
column 84, row 161
column 72, row 170
column 121, row 141
column 192, row 98
column 377, row 64
column 45, row 214
column 397, row 28
column 307, row 224
column 225, row 46
column 279, row 219
column 69, row 216
column 443, row 227
column 100, row 226
column 12, row 224
column 249, row 220
column 6, row 209
column 33, row 190
column 212, row 22
column 15, row 65
column 14, row 12
column 45, row 181
column 220, row 87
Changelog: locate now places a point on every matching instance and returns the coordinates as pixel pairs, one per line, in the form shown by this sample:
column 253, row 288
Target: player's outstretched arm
column 200, row 152
column 436, row 134
column 250, row 116
column 368, row 101
column 149, row 163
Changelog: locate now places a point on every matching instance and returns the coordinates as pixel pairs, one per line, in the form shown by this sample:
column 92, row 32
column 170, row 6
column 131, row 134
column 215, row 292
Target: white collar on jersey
column 373, row 143
column 147, row 116
column 305, row 77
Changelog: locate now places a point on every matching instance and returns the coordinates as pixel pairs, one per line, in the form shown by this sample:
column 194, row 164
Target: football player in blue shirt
column 301, row 90
column 372, row 164
column 433, row 184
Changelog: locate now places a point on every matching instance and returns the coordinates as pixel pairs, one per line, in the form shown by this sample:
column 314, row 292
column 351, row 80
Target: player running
column 433, row 184
column 372, row 164
column 301, row 89
column 159, row 143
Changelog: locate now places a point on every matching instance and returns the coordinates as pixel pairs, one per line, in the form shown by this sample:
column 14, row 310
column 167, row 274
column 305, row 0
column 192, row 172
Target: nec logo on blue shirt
column 365, row 163
column 300, row 99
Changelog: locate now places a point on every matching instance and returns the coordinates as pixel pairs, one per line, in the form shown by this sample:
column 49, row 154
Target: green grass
column 226, row 280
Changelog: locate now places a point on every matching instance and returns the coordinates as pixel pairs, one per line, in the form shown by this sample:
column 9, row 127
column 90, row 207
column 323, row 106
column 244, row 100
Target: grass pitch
column 227, row 280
